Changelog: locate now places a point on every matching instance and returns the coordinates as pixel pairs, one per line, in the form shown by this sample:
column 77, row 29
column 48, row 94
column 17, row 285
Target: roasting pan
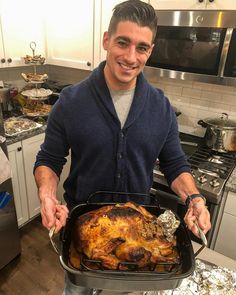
column 131, row 280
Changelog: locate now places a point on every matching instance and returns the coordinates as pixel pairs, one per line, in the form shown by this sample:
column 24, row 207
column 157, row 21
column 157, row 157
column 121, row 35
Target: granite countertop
column 231, row 183
column 25, row 135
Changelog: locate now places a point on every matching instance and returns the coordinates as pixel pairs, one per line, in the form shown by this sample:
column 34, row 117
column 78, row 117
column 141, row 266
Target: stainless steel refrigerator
column 9, row 232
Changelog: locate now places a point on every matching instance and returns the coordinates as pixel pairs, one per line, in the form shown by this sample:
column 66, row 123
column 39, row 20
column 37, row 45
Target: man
column 116, row 125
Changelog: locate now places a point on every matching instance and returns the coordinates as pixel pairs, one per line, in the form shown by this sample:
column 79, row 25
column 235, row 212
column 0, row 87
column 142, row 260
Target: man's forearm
column 47, row 181
column 184, row 185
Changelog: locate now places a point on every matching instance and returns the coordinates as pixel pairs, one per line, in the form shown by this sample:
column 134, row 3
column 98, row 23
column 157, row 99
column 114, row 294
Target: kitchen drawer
column 230, row 206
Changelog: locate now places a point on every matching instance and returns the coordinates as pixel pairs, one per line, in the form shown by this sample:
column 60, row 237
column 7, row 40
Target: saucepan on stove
column 127, row 276
column 220, row 133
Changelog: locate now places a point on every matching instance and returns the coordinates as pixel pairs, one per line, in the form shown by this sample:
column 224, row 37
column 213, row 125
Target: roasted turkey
column 123, row 233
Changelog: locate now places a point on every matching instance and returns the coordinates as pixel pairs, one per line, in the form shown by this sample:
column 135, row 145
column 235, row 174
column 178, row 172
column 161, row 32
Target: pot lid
column 222, row 122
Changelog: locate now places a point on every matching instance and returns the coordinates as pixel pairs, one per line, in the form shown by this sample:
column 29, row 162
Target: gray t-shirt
column 122, row 100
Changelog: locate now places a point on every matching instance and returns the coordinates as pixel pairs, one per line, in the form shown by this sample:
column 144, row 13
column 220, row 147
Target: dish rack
column 36, row 96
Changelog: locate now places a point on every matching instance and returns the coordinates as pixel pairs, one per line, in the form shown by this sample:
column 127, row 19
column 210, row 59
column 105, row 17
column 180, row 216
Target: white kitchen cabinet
column 30, row 147
column 15, row 155
column 227, row 232
column 70, row 33
column 193, row 4
column 20, row 23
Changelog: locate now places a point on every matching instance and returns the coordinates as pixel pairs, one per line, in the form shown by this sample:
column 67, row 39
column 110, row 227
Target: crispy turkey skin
column 123, row 233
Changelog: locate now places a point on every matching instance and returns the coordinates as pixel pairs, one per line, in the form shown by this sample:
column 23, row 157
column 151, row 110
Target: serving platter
column 18, row 125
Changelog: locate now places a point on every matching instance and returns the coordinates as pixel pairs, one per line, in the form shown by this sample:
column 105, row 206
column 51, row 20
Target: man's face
column 128, row 50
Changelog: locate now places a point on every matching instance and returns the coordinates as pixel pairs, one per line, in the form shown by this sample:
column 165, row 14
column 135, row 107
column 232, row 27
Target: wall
column 195, row 100
column 198, row 101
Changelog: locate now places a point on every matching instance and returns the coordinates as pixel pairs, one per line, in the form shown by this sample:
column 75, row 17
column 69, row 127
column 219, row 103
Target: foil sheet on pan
column 207, row 279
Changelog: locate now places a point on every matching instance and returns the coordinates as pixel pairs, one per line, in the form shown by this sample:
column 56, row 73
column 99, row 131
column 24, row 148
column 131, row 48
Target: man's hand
column 53, row 214
column 197, row 212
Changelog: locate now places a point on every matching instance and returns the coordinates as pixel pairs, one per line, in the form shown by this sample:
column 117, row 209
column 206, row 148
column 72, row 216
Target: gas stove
column 210, row 169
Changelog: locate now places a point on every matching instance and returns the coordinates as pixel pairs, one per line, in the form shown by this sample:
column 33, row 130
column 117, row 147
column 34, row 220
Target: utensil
column 203, row 238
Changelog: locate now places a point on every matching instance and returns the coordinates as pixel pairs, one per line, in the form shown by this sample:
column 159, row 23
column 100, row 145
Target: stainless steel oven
column 195, row 45
column 211, row 171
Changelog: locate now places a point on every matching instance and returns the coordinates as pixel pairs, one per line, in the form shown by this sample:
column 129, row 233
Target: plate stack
column 35, row 105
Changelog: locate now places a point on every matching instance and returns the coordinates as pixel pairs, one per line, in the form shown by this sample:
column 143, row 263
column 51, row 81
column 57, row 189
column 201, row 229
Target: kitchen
column 195, row 100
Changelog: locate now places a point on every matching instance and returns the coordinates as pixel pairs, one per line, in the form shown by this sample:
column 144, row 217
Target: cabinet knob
column 9, row 60
column 200, row 1
column 211, row 0
column 19, row 148
column 88, row 63
column 3, row 60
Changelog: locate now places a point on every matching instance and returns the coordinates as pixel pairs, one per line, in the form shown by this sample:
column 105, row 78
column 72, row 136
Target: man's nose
column 131, row 54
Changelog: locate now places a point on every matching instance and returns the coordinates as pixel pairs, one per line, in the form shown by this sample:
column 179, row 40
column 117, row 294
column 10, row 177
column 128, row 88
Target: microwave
column 195, row 45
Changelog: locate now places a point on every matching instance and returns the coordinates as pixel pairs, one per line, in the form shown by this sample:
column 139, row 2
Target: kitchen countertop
column 214, row 257
column 230, row 184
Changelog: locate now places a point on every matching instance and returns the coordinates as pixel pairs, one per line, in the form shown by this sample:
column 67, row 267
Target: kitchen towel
column 5, row 167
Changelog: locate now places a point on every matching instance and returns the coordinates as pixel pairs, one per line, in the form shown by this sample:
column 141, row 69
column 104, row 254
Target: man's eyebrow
column 129, row 40
column 123, row 38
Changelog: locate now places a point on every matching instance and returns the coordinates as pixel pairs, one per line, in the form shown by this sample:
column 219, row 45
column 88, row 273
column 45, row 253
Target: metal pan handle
column 203, row 238
column 51, row 235
column 96, row 194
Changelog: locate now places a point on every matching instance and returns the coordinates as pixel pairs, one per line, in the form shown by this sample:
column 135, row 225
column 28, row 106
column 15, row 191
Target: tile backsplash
column 195, row 100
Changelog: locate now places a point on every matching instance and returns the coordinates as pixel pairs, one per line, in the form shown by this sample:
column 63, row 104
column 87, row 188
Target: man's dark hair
column 134, row 11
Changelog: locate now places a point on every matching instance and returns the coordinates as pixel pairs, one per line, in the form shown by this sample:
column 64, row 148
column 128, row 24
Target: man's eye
column 122, row 43
column 142, row 48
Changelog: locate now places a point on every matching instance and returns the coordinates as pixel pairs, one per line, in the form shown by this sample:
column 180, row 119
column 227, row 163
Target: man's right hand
column 53, row 214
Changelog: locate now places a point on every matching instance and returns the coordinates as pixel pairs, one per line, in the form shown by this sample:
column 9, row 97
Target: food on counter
column 36, row 109
column 31, row 77
column 14, row 125
column 207, row 279
column 37, row 93
column 34, row 59
column 120, row 233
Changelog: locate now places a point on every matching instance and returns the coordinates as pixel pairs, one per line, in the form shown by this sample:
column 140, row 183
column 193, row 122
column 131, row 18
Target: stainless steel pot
column 220, row 133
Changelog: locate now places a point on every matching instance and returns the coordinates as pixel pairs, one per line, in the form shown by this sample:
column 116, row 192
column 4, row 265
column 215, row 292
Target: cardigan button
column 120, row 156
column 118, row 175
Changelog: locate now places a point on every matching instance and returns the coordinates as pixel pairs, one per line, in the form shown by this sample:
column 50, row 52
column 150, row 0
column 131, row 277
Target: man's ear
column 105, row 40
column 150, row 51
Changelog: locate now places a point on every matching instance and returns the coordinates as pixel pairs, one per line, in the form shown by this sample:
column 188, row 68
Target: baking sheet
column 19, row 129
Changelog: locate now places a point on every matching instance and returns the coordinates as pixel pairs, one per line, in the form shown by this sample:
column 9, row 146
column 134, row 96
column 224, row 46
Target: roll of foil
column 169, row 224
column 207, row 279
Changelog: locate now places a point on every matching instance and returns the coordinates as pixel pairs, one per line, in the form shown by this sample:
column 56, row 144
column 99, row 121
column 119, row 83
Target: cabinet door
column 193, row 4
column 21, row 23
column 30, row 148
column 18, row 181
column 70, row 33
column 225, row 243
column 177, row 5
column 221, row 4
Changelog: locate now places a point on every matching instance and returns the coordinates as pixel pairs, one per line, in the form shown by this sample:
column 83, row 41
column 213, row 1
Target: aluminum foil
column 169, row 224
column 207, row 279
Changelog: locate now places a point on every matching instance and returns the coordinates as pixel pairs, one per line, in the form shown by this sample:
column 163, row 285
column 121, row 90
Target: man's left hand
column 197, row 212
